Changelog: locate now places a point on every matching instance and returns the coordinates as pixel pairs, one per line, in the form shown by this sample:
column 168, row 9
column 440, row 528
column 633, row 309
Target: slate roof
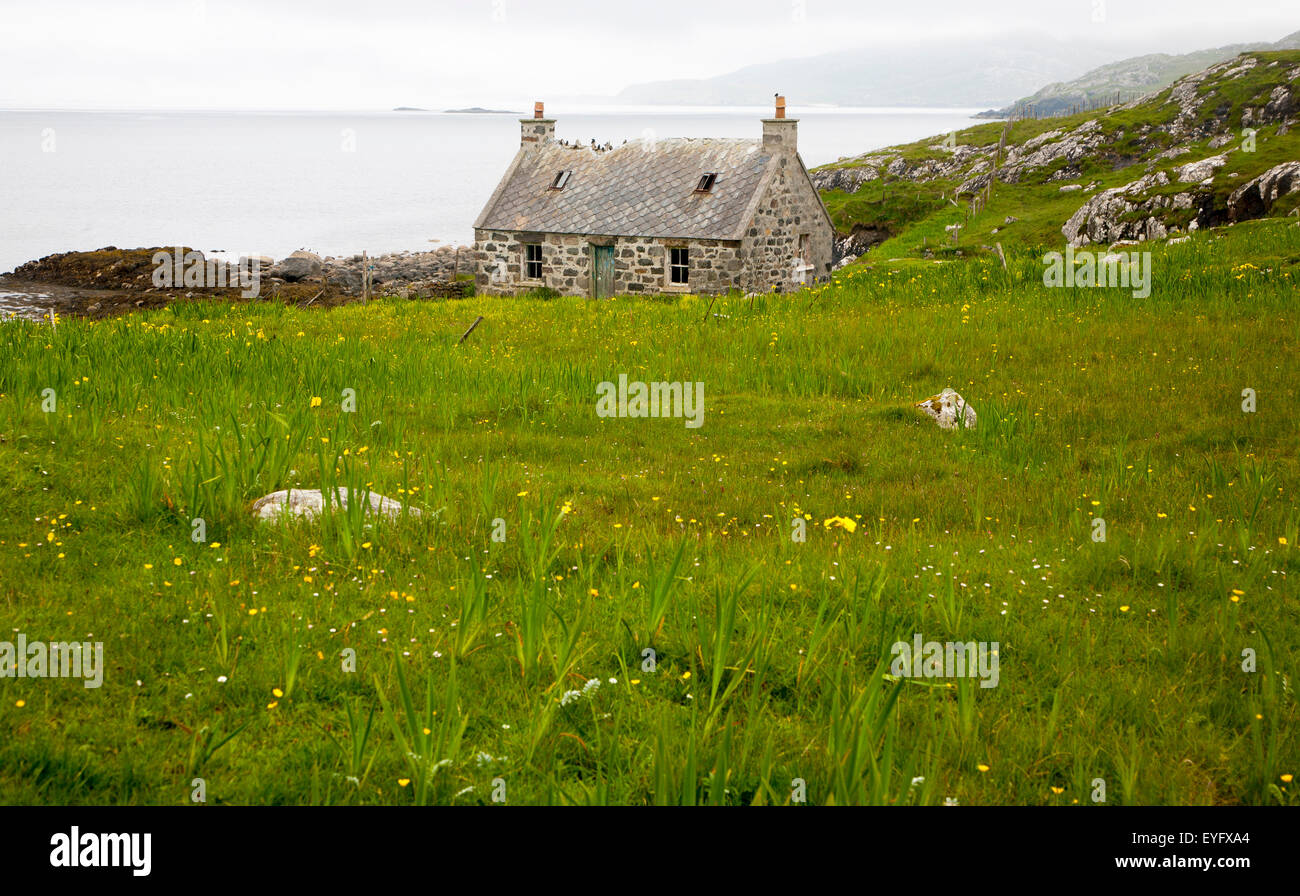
column 637, row 189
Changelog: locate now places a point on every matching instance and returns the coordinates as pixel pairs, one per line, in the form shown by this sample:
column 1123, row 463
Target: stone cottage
column 654, row 216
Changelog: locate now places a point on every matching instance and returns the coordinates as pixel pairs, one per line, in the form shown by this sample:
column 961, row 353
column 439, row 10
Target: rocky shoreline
column 112, row 281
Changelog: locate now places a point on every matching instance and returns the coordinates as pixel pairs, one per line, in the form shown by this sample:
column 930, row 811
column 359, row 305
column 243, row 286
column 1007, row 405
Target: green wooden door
column 602, row 272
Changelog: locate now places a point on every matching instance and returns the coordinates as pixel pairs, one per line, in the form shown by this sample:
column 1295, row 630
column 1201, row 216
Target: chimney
column 537, row 130
column 781, row 133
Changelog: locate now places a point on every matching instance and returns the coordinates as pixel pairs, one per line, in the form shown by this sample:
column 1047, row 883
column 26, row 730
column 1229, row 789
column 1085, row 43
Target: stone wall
column 788, row 209
column 640, row 263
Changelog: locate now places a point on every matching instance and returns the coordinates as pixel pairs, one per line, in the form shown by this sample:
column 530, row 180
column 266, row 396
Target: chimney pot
column 538, row 130
column 780, row 107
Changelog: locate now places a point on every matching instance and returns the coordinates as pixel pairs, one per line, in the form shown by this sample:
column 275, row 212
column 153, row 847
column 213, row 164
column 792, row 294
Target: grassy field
column 517, row 670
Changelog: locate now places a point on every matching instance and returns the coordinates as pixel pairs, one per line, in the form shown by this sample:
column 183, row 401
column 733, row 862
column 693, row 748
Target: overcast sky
column 376, row 54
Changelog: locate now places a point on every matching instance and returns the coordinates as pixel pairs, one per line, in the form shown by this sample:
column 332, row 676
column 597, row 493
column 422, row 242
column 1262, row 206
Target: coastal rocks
column 1256, row 197
column 419, row 273
column 300, row 265
column 947, row 408
column 259, row 263
column 309, row 503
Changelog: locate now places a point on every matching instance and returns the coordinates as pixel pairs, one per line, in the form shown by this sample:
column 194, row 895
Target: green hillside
column 1046, row 171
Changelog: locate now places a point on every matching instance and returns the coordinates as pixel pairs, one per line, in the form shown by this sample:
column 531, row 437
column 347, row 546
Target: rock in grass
column 309, row 502
column 946, row 408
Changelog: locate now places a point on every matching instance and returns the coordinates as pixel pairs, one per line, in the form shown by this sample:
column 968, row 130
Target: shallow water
column 32, row 306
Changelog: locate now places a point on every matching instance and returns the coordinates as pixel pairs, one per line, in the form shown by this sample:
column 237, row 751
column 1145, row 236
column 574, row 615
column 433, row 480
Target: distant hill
column 973, row 72
column 1128, row 79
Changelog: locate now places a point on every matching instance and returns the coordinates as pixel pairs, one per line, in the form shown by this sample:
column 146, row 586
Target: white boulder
column 1201, row 172
column 947, row 408
column 309, row 502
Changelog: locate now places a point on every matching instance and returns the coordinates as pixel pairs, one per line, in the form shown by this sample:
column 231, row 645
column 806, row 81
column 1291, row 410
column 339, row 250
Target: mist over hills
column 974, row 72
column 967, row 72
column 1130, row 78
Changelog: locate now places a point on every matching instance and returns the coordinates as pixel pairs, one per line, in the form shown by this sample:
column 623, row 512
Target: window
column 706, row 183
column 533, row 261
column 560, row 180
column 679, row 266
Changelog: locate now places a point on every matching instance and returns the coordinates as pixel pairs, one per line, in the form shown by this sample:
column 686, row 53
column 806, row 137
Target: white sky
column 376, row 54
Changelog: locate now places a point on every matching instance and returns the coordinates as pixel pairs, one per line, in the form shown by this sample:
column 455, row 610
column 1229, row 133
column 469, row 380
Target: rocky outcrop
column 848, row 180
column 1125, row 213
column 1202, row 171
column 1256, row 197
column 1051, row 147
column 1280, row 106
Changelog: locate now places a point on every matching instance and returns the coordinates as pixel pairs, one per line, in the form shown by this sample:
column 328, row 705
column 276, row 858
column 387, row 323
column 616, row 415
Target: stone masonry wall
column 787, row 209
column 640, row 263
